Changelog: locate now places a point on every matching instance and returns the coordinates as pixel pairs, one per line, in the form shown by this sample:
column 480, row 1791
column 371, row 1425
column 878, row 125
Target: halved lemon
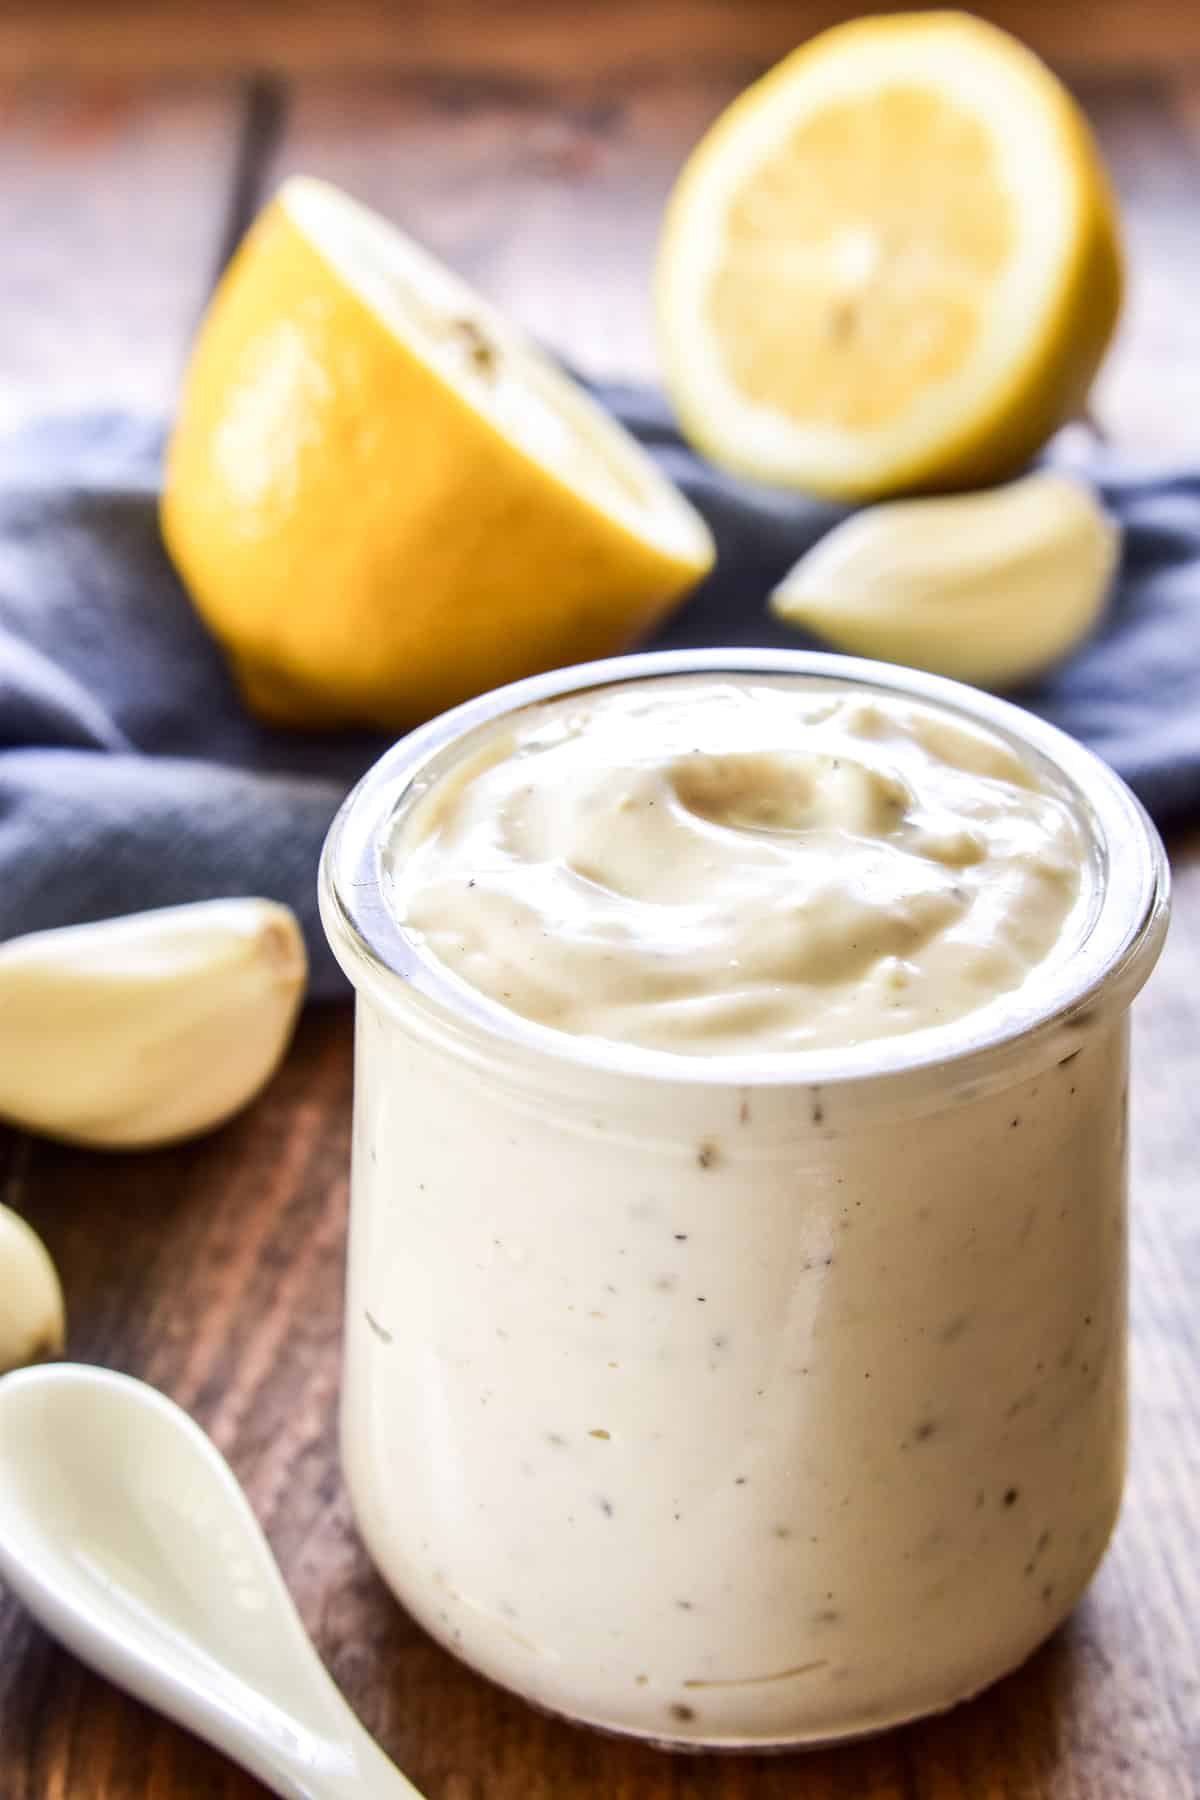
column 383, row 499
column 892, row 263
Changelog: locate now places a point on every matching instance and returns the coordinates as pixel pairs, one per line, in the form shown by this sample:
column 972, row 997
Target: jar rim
column 1111, row 961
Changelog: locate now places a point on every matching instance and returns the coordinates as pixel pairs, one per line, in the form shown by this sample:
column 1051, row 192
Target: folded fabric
column 131, row 776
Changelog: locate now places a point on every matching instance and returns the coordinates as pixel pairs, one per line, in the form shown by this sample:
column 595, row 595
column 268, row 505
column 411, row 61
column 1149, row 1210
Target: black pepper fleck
column 684, row 1605
column 707, row 1155
column 685, row 1714
column 1011, row 1496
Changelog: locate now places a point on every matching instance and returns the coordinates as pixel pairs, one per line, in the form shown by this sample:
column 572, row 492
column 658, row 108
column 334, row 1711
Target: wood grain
column 215, row 1270
column 304, row 37
column 112, row 210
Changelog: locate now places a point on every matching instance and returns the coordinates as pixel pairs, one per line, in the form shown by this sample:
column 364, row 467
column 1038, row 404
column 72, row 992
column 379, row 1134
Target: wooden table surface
column 532, row 145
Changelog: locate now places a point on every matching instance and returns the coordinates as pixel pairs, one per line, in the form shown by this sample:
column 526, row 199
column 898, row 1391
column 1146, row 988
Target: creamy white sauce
column 722, row 1412
column 740, row 865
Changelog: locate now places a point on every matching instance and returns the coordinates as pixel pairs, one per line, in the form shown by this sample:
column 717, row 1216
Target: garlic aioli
column 726, row 1399
column 735, row 865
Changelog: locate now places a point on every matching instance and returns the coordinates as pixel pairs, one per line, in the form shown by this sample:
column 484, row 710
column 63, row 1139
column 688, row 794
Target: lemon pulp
column 891, row 263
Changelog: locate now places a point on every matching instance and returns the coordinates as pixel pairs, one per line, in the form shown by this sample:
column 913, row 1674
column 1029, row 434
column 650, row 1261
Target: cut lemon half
column 892, row 263
column 383, row 499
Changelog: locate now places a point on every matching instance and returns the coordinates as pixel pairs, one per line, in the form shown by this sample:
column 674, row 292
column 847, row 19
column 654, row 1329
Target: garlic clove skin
column 149, row 1028
column 32, row 1321
column 991, row 588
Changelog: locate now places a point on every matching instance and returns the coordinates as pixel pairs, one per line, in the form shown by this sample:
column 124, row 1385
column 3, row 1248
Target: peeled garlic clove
column 990, row 588
column 148, row 1028
column 32, row 1326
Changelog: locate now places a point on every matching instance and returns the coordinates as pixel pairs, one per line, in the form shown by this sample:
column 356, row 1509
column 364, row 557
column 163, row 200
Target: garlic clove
column 991, row 587
column 32, row 1323
column 148, row 1028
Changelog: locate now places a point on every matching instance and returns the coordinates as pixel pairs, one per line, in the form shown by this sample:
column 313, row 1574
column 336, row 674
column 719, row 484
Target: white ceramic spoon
column 125, row 1533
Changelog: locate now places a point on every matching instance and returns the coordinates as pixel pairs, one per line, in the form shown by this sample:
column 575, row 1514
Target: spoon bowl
column 126, row 1534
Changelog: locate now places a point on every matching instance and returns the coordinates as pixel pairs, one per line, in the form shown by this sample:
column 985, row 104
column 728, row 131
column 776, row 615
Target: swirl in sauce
column 737, row 864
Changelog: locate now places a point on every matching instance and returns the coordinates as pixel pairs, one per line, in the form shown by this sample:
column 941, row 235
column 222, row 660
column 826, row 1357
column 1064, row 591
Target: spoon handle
column 309, row 1768
column 374, row 1777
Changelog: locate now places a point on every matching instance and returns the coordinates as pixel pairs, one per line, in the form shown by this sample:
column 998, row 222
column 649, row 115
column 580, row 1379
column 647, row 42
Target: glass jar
column 739, row 1401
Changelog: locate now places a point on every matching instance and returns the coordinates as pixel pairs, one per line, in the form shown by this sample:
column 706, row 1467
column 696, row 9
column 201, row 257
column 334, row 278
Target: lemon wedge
column 384, row 500
column 893, row 263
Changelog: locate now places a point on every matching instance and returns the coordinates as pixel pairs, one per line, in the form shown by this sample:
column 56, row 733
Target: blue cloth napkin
column 131, row 776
